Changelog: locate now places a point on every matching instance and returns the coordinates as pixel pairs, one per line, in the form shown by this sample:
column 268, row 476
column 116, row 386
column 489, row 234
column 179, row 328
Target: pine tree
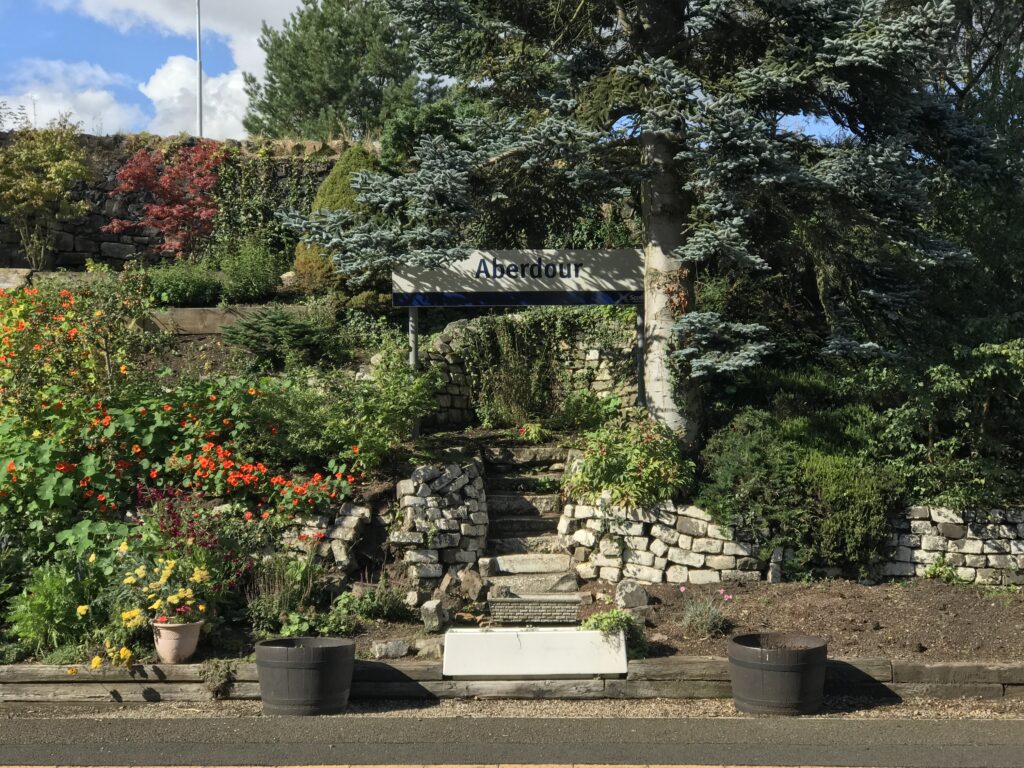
column 791, row 136
column 335, row 68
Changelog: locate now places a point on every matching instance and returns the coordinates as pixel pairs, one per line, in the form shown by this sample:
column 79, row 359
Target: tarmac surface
column 263, row 741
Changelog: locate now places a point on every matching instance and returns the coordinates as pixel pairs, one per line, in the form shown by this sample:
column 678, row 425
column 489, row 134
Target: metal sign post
column 641, row 354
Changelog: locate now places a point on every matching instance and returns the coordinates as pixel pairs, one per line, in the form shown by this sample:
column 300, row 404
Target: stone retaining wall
column 334, row 537
column 82, row 239
column 983, row 548
column 680, row 545
column 607, row 371
column 443, row 521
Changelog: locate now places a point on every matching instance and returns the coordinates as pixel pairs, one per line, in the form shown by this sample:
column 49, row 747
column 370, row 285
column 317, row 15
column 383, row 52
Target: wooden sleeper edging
column 677, row 677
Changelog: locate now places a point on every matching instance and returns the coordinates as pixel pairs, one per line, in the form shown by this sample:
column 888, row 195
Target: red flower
column 167, row 408
column 247, row 516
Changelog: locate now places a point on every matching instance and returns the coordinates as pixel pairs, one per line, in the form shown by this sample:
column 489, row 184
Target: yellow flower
column 82, row 610
column 173, row 600
column 92, row 558
column 200, row 576
column 122, row 547
column 97, row 662
column 129, row 580
column 37, row 434
column 125, row 655
column 72, row 670
column 157, row 605
column 141, row 571
column 202, row 608
column 98, row 313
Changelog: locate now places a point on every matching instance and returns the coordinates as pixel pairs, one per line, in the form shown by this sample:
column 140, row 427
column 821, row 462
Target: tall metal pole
column 199, row 66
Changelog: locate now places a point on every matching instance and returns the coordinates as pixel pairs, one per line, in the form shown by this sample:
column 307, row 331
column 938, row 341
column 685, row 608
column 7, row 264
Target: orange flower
column 153, row 473
column 355, row 449
column 136, row 448
column 167, row 408
column 252, row 391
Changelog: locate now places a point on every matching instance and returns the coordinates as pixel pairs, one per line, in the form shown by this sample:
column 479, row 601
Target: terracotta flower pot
column 175, row 643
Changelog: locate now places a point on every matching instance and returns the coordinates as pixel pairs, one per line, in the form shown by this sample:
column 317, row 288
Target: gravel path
column 835, row 708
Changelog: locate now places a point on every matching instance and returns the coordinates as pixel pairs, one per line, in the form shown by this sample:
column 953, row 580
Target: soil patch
column 922, row 620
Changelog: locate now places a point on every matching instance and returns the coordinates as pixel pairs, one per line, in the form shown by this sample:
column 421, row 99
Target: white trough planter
column 508, row 653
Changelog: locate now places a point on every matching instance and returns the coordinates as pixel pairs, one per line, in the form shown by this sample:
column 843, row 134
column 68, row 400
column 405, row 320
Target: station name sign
column 524, row 278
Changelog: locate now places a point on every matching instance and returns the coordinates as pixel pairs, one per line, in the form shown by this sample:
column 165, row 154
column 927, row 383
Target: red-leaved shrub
column 181, row 184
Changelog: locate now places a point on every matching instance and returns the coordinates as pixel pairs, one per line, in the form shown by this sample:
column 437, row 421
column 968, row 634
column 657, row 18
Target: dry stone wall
column 683, row 545
column 443, row 522
column 677, row 544
column 608, row 372
column 83, row 239
column 983, row 548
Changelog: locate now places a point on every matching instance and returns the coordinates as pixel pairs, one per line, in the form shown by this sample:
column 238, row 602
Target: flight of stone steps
column 524, row 502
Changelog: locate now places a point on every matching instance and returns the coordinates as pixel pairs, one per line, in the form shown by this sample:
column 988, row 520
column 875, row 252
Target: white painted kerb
column 521, row 654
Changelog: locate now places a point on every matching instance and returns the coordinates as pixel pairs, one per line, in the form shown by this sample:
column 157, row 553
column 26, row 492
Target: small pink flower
column 682, row 589
column 721, row 591
column 727, row 598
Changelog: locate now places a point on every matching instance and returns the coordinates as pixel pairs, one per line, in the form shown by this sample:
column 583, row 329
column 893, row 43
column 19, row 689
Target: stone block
column 406, row 488
column 966, row 574
column 665, row 534
column 659, row 548
column 407, row 537
column 638, row 557
column 933, row 543
column 677, row 574
column 720, row 562
column 742, row 577
column 996, row 547
column 421, row 556
column 965, row 546
column 923, row 528
column 585, row 538
column 626, row 528
column 696, row 513
column 685, row 557
column 473, row 530
column 738, row 549
column 426, row 571
column 390, row 649
column 919, row 513
column 611, row 575
column 1006, row 562
column 643, row 573
column 704, row 577
column 923, row 557
column 952, row 530
column 434, row 615
column 911, row 540
column 631, row 594
column 707, row 546
column 988, row 577
column 690, row 527
column 639, row 543
column 975, row 561
column 586, row 571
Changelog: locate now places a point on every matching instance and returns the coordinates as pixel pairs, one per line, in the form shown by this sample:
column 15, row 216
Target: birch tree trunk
column 668, row 289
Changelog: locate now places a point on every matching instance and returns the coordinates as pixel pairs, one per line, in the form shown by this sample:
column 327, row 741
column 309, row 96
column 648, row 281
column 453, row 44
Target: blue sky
column 129, row 65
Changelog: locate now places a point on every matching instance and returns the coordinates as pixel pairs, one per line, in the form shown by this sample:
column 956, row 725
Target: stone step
column 536, row 482
column 507, row 456
column 513, row 565
column 502, row 527
column 524, row 504
column 537, row 584
column 525, row 545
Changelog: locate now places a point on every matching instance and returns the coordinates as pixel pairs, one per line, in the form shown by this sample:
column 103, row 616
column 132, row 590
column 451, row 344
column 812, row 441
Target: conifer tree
column 758, row 136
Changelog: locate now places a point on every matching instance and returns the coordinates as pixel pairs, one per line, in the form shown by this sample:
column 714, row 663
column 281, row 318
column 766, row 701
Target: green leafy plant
column 635, row 460
column 186, row 284
column 531, row 432
column 617, row 620
column 252, row 271
column 46, row 615
column 277, row 335
column 942, row 570
column 39, row 169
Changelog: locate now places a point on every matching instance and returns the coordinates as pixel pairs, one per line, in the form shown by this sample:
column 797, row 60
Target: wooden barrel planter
column 305, row 675
column 777, row 673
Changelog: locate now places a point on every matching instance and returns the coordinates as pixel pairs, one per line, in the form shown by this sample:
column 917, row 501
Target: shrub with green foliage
column 314, row 269
column 277, row 335
column 318, row 414
column 186, row 284
column 44, row 616
column 635, row 460
column 799, row 482
column 252, row 270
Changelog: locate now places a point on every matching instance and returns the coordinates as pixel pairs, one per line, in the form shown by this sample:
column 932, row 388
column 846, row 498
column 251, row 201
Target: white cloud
column 239, row 23
column 50, row 88
column 172, row 89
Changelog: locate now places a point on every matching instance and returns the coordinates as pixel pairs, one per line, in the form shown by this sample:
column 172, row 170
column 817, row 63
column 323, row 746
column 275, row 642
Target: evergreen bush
column 186, row 284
